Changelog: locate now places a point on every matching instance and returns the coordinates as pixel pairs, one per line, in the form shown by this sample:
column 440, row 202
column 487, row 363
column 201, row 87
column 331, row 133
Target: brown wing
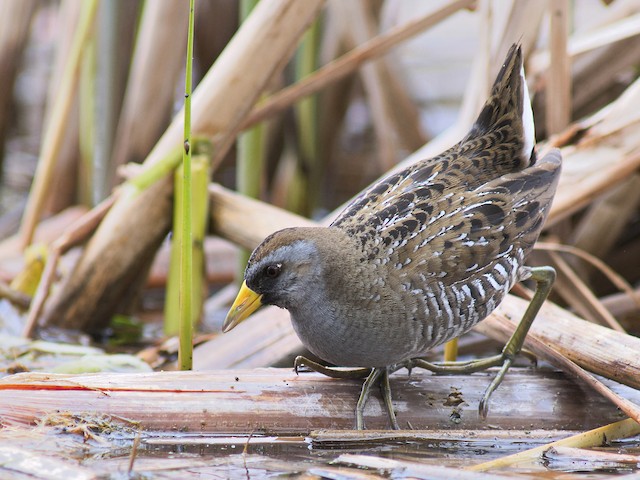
column 465, row 166
column 462, row 232
column 393, row 195
column 479, row 227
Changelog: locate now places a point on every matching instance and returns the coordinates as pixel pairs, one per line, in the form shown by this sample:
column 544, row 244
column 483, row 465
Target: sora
column 421, row 256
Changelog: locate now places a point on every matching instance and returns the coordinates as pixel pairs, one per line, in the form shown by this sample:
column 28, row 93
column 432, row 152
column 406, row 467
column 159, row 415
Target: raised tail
column 506, row 116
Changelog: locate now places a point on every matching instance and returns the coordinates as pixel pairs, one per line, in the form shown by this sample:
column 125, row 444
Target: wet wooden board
column 277, row 401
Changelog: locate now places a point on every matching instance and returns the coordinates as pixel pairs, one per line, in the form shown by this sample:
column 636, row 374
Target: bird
column 420, row 256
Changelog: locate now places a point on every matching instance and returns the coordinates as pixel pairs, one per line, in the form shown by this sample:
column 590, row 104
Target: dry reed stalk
column 69, row 13
column 593, row 347
column 579, row 296
column 233, row 217
column 558, row 105
column 350, row 62
column 613, row 118
column 614, row 277
column 607, row 34
column 520, row 24
column 76, row 233
column 597, row 72
column 56, row 125
column 596, row 437
column 46, row 232
column 589, row 172
column 622, row 304
column 608, row 153
column 15, row 19
column 150, row 95
column 618, row 23
column 359, row 26
column 121, row 249
column 604, row 222
column 115, row 27
column 405, row 115
column 63, row 187
column 278, row 401
column 336, row 100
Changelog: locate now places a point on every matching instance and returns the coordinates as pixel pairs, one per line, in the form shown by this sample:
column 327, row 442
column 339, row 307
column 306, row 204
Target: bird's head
column 283, row 270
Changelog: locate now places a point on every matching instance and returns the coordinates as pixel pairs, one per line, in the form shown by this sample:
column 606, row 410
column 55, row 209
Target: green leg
column 385, row 388
column 374, row 377
column 544, row 278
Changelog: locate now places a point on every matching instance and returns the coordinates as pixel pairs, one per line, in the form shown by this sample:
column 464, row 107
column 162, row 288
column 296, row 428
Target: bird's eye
column 273, row 270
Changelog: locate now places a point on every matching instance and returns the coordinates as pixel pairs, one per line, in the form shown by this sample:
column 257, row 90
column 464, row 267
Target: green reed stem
column 185, row 353
column 200, row 213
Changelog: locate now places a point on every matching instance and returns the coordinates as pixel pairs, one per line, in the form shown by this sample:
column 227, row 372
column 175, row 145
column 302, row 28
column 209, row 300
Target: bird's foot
column 332, row 372
column 373, row 376
column 453, row 368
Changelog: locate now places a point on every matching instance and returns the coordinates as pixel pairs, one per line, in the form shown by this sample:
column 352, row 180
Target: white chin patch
column 527, row 120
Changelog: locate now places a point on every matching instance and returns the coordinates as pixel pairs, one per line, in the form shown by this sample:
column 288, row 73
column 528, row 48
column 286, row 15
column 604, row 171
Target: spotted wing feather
column 467, row 232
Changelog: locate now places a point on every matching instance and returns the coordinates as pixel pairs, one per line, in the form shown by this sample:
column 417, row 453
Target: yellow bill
column 245, row 304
